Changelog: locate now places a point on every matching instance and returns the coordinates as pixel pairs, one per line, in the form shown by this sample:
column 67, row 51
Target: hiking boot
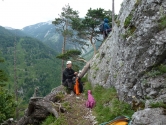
column 77, row 97
column 72, row 93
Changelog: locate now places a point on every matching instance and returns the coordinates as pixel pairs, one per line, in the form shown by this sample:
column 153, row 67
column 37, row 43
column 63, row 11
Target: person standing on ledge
column 107, row 28
column 68, row 75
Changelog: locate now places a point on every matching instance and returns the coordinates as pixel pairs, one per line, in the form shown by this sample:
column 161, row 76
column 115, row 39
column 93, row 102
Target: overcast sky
column 21, row 13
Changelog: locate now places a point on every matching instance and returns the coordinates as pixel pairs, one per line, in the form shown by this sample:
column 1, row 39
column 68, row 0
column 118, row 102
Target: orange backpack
column 76, row 87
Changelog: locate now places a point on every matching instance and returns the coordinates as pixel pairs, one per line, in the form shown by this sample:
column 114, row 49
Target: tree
column 3, row 76
column 63, row 26
column 74, row 56
column 71, row 55
column 88, row 27
column 7, row 103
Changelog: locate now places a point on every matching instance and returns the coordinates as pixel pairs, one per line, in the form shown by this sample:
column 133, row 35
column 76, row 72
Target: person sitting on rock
column 107, row 28
column 68, row 75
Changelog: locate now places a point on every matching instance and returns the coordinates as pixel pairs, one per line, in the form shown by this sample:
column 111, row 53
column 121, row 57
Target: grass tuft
column 162, row 68
column 128, row 20
column 162, row 23
column 129, row 32
column 158, row 105
column 108, row 105
column 154, row 73
column 50, row 119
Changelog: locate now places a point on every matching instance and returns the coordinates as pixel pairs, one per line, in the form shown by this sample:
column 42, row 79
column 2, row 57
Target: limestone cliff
column 130, row 58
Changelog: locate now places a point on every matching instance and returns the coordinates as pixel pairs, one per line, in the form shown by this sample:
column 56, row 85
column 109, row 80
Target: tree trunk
column 39, row 108
column 93, row 45
column 113, row 13
column 15, row 74
column 63, row 51
column 64, row 47
column 84, row 70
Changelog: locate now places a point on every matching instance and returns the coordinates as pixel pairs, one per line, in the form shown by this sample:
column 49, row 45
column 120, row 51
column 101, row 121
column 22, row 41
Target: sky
column 20, row 13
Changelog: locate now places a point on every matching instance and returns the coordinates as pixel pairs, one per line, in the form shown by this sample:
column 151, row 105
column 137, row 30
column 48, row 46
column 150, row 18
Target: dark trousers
column 69, row 84
column 106, row 33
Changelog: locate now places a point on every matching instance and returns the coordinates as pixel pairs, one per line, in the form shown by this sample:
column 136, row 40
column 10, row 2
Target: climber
column 68, row 75
column 106, row 28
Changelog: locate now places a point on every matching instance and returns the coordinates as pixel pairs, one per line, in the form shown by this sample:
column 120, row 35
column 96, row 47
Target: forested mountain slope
column 36, row 63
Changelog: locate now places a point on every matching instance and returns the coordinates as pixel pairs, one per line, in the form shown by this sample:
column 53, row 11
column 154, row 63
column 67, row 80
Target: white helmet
column 68, row 62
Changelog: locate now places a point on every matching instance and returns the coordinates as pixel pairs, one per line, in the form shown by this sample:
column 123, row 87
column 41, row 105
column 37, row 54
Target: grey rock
column 148, row 90
column 149, row 117
column 131, row 58
column 153, row 93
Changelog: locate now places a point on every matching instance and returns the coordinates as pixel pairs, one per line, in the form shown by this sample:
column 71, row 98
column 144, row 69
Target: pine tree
column 88, row 27
column 7, row 103
column 63, row 24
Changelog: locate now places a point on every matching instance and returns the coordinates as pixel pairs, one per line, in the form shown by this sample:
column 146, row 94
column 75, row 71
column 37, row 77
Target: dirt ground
column 77, row 113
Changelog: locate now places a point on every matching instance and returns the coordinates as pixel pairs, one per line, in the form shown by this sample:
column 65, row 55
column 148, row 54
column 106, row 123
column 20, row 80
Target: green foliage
column 153, row 73
column 110, row 107
column 3, row 76
column 7, row 103
column 87, row 27
column 63, row 25
column 137, row 3
column 50, row 119
column 129, row 32
column 66, row 105
column 96, row 68
column 98, row 55
column 159, row 70
column 117, row 22
column 162, row 68
column 69, row 54
column 84, row 79
column 87, row 87
column 36, row 64
column 145, row 82
column 158, row 105
column 60, row 121
column 73, row 55
column 128, row 20
column 162, row 23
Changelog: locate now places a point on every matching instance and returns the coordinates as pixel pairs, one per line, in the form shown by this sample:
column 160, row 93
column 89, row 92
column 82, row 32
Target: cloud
column 20, row 13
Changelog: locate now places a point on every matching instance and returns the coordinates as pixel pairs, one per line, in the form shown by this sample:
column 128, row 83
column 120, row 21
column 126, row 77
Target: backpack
column 121, row 120
column 101, row 27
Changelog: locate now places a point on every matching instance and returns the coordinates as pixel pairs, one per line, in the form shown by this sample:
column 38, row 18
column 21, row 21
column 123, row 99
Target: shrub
column 129, row 32
column 108, row 105
column 162, row 68
column 153, row 73
column 162, row 23
column 128, row 20
column 50, row 119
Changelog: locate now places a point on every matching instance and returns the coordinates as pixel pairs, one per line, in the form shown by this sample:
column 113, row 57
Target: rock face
column 149, row 117
column 131, row 49
column 128, row 57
